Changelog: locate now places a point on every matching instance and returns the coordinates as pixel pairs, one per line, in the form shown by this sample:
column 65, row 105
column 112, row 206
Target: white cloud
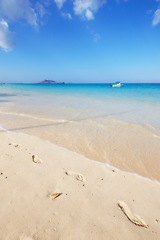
column 31, row 12
column 40, row 9
column 59, row 3
column 89, row 14
column 6, row 37
column 66, row 15
column 87, row 8
column 15, row 10
column 156, row 17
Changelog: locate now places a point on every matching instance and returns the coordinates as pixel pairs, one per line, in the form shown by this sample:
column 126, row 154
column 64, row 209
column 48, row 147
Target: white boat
column 117, row 84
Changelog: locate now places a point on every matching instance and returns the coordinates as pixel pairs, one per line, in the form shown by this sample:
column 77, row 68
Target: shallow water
column 135, row 103
column 120, row 126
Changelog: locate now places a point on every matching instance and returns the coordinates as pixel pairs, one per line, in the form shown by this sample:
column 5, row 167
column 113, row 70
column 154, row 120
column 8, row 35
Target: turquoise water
column 133, row 103
column 142, row 92
column 149, row 93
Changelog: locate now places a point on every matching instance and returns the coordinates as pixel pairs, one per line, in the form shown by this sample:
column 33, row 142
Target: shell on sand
column 55, row 195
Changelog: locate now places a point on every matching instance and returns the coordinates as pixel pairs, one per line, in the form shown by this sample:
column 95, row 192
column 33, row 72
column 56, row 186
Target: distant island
column 50, row 82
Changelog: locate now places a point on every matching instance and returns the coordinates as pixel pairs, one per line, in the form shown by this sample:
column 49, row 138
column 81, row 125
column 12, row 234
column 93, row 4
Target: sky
column 80, row 41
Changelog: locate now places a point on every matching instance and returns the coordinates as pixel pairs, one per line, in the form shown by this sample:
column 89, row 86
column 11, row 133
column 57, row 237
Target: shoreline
column 126, row 146
column 92, row 160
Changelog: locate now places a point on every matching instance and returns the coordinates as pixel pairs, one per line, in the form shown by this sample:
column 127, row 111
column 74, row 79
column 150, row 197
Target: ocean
column 118, row 126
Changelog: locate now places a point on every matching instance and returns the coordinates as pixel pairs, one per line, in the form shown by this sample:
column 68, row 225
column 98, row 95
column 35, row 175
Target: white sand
column 97, row 202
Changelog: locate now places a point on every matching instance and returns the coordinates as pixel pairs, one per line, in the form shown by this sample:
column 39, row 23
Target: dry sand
column 50, row 193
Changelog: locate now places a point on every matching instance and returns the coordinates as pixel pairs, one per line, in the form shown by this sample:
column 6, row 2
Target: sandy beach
column 48, row 192
column 79, row 120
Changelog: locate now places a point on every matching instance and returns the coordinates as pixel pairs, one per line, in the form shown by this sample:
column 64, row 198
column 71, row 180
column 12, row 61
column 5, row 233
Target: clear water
column 134, row 103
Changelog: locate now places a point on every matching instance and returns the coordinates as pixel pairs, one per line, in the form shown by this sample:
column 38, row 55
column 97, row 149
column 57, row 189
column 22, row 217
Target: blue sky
column 80, row 40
